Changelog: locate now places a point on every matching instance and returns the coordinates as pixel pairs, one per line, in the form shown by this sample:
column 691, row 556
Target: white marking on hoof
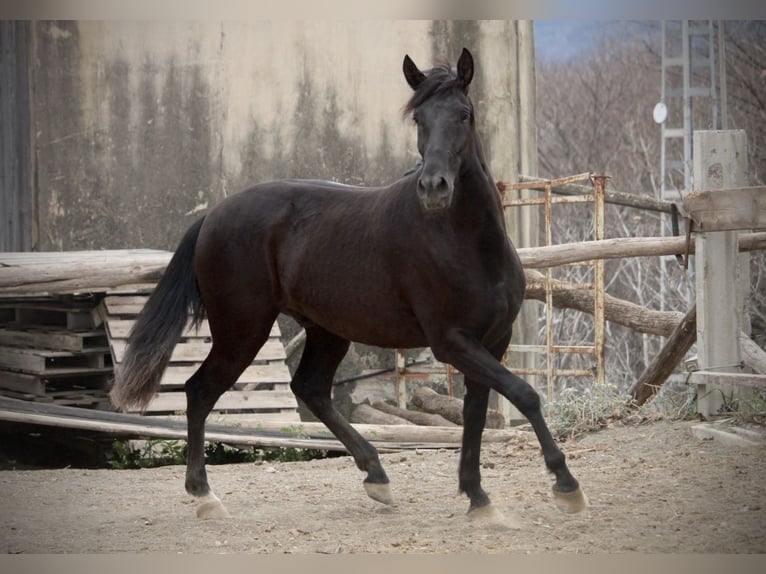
column 379, row 492
column 490, row 516
column 571, row 502
column 210, row 506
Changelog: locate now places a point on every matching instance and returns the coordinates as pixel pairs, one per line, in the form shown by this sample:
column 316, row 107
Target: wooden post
column 720, row 162
column 401, row 379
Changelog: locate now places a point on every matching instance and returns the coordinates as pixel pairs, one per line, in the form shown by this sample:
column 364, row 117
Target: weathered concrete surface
column 140, row 127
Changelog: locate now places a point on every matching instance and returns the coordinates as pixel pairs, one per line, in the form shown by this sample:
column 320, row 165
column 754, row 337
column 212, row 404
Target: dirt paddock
column 652, row 488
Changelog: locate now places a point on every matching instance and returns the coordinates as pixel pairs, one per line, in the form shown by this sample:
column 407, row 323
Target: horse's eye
column 416, row 119
column 465, row 116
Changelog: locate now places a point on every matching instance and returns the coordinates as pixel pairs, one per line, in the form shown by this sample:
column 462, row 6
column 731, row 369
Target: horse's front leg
column 475, row 405
column 474, row 418
column 481, row 368
column 312, row 383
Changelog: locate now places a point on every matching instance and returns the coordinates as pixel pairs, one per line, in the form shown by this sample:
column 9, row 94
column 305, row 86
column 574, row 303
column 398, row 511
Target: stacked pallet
column 261, row 393
column 63, row 347
column 54, row 349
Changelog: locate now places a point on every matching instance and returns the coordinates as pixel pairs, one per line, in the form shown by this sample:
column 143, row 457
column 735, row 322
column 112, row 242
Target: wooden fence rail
column 25, row 274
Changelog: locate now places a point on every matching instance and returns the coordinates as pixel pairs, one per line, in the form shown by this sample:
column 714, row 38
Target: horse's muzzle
column 435, row 192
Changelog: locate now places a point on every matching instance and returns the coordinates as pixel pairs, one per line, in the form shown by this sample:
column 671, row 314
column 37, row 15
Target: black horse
column 423, row 262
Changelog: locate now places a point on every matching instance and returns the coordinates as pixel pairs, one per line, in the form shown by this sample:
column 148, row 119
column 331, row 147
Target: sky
column 564, row 39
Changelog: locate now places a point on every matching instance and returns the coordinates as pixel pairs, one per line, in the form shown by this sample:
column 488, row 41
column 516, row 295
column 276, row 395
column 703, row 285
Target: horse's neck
column 476, row 186
column 479, row 152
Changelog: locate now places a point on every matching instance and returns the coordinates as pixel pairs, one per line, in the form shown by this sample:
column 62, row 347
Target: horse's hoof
column 379, row 492
column 570, row 502
column 211, row 507
column 491, row 516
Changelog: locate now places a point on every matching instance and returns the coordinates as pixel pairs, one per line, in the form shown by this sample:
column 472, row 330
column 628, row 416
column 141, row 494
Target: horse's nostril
column 433, row 183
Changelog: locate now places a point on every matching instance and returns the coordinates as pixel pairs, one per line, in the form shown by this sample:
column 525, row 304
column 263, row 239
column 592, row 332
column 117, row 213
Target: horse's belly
column 347, row 287
column 363, row 323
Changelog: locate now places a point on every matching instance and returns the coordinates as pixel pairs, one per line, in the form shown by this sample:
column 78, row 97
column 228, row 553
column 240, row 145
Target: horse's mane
column 439, row 79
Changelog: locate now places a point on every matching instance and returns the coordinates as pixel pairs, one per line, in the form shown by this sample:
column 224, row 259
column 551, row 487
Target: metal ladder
column 697, row 48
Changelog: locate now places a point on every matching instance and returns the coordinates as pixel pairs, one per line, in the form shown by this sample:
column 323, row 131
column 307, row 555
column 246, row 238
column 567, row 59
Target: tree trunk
column 432, row 402
column 419, row 418
column 366, row 414
column 451, row 408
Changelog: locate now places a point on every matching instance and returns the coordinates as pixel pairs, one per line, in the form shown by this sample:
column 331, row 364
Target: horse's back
column 322, row 251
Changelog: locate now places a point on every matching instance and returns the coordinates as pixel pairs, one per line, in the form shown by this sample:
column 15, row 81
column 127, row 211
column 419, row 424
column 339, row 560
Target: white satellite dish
column 660, row 112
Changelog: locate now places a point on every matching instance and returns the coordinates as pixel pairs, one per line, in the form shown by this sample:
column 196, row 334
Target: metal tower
column 692, row 63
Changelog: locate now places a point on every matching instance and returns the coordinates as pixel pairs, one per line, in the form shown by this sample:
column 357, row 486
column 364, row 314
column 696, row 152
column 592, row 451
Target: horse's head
column 444, row 115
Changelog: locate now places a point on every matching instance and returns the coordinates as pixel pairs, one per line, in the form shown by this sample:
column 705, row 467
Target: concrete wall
column 140, row 126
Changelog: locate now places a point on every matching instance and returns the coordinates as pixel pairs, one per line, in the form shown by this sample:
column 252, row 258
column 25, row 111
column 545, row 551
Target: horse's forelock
column 439, row 79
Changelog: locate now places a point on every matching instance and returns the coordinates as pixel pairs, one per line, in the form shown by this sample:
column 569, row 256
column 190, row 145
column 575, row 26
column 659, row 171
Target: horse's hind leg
column 233, row 350
column 312, row 383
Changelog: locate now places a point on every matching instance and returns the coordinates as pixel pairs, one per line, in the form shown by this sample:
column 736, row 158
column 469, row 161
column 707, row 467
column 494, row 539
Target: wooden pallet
column 63, row 349
column 262, row 391
column 74, row 313
column 54, row 349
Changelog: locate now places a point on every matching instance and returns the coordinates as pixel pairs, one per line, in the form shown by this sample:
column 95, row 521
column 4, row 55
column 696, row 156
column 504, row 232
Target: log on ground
column 451, row 408
column 366, row 414
column 371, row 432
column 416, row 417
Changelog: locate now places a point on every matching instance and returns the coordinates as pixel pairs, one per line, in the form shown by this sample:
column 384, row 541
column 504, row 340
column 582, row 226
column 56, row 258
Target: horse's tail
column 158, row 328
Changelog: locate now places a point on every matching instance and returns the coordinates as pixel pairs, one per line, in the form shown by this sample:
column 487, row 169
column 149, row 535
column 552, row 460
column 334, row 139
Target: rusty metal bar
column 550, row 366
column 559, row 372
column 574, row 287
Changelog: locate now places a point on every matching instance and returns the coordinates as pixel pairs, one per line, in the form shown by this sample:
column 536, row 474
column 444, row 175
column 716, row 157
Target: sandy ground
column 652, row 488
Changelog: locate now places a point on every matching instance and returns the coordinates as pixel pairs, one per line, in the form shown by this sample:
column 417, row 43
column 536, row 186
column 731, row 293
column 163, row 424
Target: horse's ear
column 414, row 76
column 465, row 67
